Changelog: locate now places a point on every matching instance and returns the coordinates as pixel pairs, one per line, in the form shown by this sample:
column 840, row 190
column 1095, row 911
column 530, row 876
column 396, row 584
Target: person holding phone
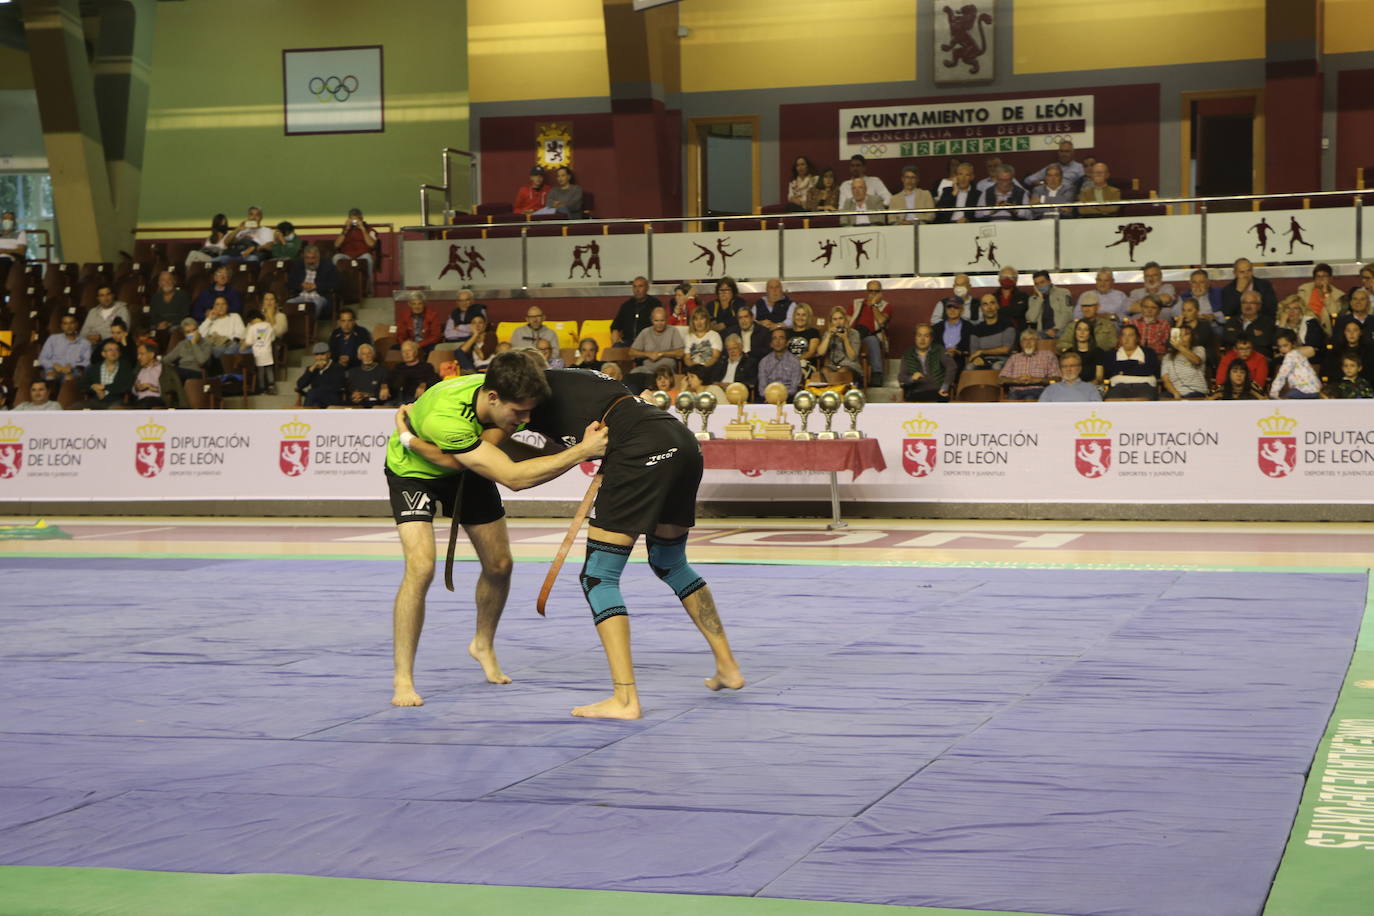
column 356, row 242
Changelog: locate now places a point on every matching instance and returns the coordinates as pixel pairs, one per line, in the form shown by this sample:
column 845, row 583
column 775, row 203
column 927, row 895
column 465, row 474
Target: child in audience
column 1353, row 384
column 1239, row 385
column 257, row 339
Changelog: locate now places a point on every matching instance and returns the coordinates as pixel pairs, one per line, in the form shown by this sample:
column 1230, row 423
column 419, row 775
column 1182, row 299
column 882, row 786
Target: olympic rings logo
column 333, row 88
column 874, row 149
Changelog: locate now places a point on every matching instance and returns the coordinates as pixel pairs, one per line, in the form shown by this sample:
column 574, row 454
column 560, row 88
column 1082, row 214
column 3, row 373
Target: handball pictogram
column 333, row 88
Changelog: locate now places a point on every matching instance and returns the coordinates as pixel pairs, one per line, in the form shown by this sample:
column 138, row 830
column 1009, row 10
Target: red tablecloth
column 854, row 455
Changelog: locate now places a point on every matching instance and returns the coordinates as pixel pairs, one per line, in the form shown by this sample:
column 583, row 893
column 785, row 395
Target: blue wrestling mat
column 1053, row 741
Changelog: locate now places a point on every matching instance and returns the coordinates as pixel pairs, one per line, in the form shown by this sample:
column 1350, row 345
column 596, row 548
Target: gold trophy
column 706, row 403
column 660, row 399
column 686, row 403
column 805, row 402
column 853, row 403
column 776, row 393
column 829, row 403
column 737, row 393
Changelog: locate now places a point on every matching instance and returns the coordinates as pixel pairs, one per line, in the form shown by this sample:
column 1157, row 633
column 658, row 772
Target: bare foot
column 731, row 679
column 609, row 708
column 490, row 666
column 405, row 695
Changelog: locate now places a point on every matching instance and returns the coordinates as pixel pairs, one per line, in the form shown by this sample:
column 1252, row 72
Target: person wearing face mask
column 1011, row 302
column 13, row 240
column 1048, row 308
column 962, row 290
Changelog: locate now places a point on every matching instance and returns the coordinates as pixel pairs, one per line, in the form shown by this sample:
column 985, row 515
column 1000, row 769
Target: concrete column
column 94, row 113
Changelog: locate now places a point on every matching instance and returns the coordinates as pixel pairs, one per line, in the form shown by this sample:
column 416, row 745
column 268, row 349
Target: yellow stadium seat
column 567, row 333
column 505, row 329
column 599, row 331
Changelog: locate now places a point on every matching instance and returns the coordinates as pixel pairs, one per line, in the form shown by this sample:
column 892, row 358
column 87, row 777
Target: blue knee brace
column 600, row 578
column 669, row 562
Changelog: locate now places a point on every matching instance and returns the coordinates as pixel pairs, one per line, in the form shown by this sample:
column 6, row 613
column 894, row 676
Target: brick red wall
column 1354, row 126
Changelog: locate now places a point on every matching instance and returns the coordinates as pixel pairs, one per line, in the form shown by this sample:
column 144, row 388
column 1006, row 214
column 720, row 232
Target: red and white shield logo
column 589, row 467
column 918, row 457
column 294, row 456
column 149, row 458
column 751, row 472
column 1278, row 455
column 1092, row 457
column 11, row 459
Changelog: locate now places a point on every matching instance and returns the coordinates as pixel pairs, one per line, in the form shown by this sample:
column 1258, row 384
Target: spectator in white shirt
column 39, row 398
column 222, row 329
column 14, row 242
column 858, row 168
column 97, row 325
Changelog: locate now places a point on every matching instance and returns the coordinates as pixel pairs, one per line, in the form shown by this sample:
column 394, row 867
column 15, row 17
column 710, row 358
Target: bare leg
column 408, row 615
column 701, row 607
column 615, row 639
column 492, row 544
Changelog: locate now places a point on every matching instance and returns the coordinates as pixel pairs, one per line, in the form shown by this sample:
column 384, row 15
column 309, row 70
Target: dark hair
column 149, row 346
column 285, row 227
column 683, row 287
column 661, row 371
column 348, row 310
column 572, row 179
column 515, row 378
column 820, row 179
column 256, row 315
column 1040, row 273
column 1150, row 264
column 1354, row 357
column 743, row 307
column 1322, row 268
column 119, row 323
column 729, row 282
column 355, row 212
column 810, row 166
column 220, row 223
column 1246, row 386
column 1286, row 334
column 857, row 158
column 102, row 287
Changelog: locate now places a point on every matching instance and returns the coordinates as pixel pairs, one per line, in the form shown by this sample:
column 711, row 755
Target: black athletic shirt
column 581, row 397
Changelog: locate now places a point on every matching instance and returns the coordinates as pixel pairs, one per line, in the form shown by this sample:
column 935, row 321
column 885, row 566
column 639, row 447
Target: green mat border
column 41, row 891
column 1317, row 880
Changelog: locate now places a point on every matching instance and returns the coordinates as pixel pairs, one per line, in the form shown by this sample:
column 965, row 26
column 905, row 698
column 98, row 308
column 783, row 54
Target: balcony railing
column 1178, row 232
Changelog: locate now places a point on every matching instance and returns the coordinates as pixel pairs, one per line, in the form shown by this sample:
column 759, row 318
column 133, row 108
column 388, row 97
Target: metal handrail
column 447, row 186
column 1150, row 202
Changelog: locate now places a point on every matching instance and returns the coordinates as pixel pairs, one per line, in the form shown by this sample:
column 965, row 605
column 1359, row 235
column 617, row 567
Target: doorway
column 1223, row 145
column 723, row 166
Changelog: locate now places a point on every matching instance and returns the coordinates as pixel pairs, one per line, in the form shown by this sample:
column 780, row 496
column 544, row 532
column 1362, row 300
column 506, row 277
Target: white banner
column 883, row 251
column 960, row 128
column 985, row 247
column 1130, row 241
column 333, row 90
column 593, row 259
column 742, row 254
column 1282, row 235
column 1221, row 452
column 452, row 264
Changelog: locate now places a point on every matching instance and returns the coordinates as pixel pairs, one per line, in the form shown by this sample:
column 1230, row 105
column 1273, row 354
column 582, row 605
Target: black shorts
column 418, row 499
column 652, row 475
